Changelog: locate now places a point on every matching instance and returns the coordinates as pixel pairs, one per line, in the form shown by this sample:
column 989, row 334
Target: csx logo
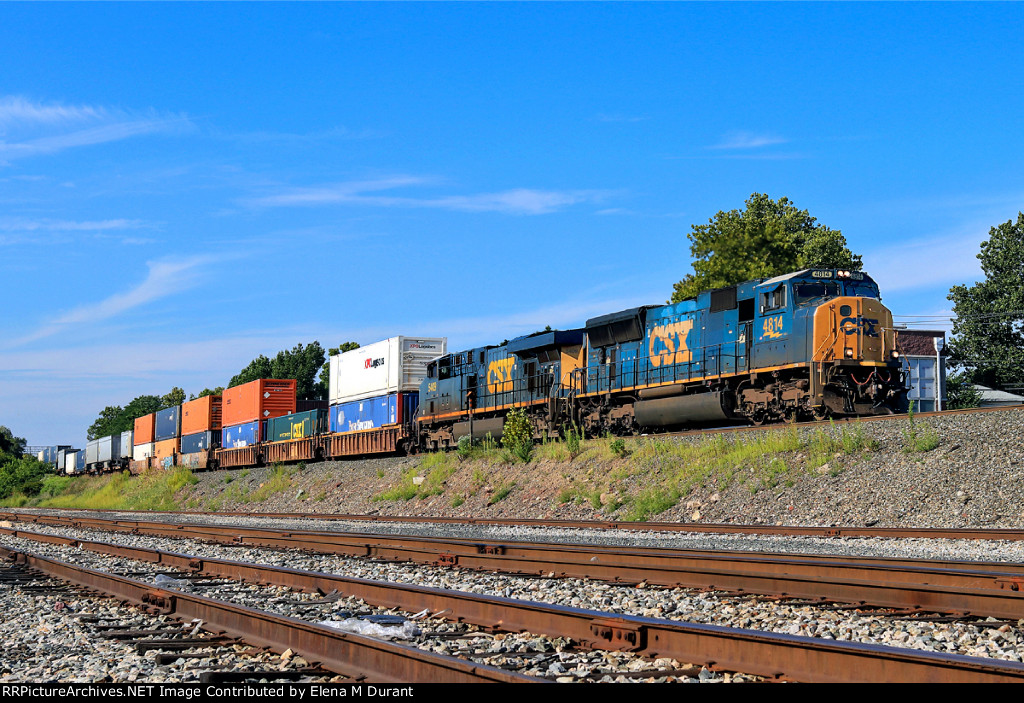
column 499, row 375
column 667, row 344
column 374, row 363
column 850, row 325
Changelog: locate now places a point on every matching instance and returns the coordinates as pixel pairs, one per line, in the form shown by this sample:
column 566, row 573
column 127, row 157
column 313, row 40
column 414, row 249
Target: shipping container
column 258, row 400
column 201, row 415
column 145, row 427
column 166, row 448
column 109, row 449
column 80, row 462
column 296, row 425
column 392, row 366
column 372, row 413
column 168, row 424
column 200, row 441
column 142, row 451
column 71, row 460
column 92, row 452
column 240, row 436
column 126, row 444
column 62, row 458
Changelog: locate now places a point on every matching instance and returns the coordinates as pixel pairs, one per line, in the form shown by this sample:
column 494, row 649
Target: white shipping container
column 92, row 452
column 126, row 444
column 395, row 365
column 69, row 462
column 109, row 449
column 143, row 451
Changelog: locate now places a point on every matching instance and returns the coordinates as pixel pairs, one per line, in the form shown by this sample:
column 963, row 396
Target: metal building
column 924, row 360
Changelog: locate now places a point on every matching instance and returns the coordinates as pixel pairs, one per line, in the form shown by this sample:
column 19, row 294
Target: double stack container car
column 200, row 431
column 244, row 413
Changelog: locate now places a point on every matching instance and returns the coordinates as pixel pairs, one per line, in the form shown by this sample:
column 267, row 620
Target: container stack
column 109, row 451
column 201, row 424
column 167, row 435
column 143, row 437
column 246, row 409
column 378, row 385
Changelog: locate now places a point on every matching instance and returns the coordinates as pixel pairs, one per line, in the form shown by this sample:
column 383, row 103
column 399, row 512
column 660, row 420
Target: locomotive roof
column 803, row 272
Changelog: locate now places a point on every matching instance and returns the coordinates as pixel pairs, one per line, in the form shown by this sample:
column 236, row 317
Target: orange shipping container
column 145, row 429
column 166, row 448
column 258, row 400
column 201, row 415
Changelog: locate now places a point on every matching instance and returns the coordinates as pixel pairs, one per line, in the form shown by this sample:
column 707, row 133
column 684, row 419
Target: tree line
column 307, row 364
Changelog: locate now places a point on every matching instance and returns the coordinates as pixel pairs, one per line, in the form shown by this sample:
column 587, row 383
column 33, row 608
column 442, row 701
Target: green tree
column 139, row 407
column 258, row 368
column 111, row 417
column 961, row 393
column 9, row 444
column 301, row 363
column 206, row 391
column 767, row 238
column 988, row 323
column 175, row 397
column 325, row 370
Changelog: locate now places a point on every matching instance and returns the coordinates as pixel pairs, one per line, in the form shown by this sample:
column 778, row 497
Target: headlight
column 849, row 353
column 895, row 354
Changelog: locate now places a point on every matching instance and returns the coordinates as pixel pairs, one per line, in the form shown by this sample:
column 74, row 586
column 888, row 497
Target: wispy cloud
column 518, row 201
column 30, row 128
column 163, row 278
column 9, row 224
column 939, row 260
column 747, row 140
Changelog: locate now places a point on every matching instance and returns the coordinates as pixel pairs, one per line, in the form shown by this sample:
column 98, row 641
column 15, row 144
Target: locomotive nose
column 857, row 330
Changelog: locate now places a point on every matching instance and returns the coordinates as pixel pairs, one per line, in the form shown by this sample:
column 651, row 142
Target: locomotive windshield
column 862, row 289
column 804, row 293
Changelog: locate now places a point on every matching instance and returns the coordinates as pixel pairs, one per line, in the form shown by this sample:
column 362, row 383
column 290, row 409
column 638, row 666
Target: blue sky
column 186, row 186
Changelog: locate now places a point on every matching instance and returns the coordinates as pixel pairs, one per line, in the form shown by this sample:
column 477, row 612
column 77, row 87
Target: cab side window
column 774, row 299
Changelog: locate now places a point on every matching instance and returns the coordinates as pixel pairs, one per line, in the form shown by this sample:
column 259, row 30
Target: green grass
column 651, row 502
column 279, row 481
column 155, row 490
column 501, row 492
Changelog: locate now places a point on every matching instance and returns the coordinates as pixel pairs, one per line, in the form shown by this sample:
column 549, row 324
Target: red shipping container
column 201, row 415
column 258, row 400
column 145, row 429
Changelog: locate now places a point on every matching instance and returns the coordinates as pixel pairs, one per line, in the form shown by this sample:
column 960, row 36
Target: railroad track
column 987, row 589
column 763, row 654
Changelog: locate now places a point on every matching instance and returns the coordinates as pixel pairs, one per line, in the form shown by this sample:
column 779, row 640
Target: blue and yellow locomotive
column 808, row 344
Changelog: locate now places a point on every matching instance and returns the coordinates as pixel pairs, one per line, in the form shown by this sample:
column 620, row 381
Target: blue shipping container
column 200, row 442
column 397, row 408
column 245, row 435
column 168, row 423
column 80, row 461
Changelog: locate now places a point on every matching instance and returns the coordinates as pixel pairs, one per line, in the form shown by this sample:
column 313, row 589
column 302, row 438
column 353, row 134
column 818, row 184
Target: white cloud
column 29, row 128
column 747, row 140
column 12, row 224
column 518, row 201
column 163, row 279
column 943, row 259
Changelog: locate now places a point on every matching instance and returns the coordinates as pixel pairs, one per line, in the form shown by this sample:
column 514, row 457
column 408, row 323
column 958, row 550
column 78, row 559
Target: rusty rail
column 983, row 589
column 766, row 654
column 354, row 656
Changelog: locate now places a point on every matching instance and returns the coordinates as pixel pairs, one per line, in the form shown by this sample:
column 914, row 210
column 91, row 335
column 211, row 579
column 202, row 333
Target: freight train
column 806, row 345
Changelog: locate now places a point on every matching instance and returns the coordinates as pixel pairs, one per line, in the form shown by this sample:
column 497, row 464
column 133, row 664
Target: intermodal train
column 805, row 345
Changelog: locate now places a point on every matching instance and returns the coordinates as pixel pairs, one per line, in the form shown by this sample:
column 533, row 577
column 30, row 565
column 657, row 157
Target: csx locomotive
column 805, row 345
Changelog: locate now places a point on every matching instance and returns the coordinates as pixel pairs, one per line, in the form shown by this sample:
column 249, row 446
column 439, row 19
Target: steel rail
column 357, row 657
column 988, row 590
column 967, row 533
column 772, row 655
